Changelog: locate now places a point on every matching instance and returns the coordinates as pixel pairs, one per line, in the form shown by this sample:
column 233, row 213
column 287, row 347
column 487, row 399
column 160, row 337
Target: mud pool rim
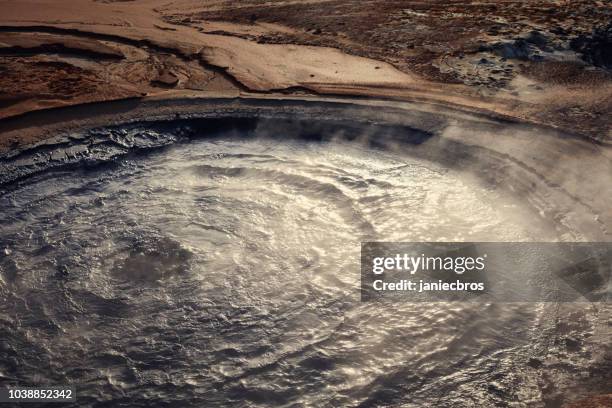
column 463, row 141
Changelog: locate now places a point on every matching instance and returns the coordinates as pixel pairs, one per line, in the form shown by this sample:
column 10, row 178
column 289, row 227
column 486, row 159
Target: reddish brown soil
column 599, row 401
column 542, row 61
column 410, row 34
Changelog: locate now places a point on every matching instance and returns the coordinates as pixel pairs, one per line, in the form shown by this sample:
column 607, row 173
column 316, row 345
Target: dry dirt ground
column 544, row 61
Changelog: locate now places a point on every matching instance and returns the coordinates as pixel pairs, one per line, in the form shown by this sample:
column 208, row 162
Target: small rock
column 535, row 363
column 63, row 271
column 6, row 347
column 572, row 345
column 166, row 78
column 537, row 38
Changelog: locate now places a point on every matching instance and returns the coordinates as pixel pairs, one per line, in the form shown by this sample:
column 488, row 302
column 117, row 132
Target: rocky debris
column 506, row 53
column 417, row 36
column 495, row 64
column 596, row 48
column 520, row 49
column 532, row 46
column 480, row 69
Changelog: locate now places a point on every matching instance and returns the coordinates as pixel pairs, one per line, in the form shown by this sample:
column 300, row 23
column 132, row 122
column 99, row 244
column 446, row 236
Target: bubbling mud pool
column 225, row 272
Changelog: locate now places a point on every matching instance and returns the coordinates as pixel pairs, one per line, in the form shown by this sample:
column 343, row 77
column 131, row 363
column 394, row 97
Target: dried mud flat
column 546, row 62
column 555, row 54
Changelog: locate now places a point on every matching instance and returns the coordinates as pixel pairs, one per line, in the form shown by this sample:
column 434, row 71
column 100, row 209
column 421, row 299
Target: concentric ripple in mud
column 225, row 272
